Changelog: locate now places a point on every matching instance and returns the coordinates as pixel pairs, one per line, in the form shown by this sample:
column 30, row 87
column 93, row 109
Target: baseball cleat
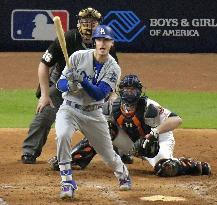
column 68, row 189
column 28, row 158
column 206, row 168
column 125, row 184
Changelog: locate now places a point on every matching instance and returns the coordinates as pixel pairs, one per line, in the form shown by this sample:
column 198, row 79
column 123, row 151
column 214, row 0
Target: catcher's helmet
column 103, row 31
column 130, row 97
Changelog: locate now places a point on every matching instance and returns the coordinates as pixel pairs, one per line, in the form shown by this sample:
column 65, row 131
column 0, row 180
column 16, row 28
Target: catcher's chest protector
column 132, row 123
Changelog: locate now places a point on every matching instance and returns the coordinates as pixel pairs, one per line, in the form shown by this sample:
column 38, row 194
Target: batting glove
column 73, row 76
column 78, row 77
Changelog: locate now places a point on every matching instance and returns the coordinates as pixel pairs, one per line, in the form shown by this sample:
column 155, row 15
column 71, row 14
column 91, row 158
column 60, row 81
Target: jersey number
column 47, row 56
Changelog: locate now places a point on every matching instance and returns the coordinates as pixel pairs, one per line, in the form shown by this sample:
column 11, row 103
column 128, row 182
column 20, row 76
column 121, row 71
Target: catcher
column 139, row 126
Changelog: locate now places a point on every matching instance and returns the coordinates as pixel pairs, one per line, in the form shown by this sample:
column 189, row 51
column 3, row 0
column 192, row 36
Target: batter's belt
column 87, row 108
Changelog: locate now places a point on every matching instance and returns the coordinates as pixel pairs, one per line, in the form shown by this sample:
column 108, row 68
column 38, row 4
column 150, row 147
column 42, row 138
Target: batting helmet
column 130, row 97
column 103, row 31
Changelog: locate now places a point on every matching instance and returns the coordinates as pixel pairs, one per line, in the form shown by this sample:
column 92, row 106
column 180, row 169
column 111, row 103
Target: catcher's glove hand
column 149, row 145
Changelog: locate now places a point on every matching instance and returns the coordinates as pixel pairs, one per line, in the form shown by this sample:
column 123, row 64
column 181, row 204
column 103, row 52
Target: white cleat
column 125, row 184
column 68, row 190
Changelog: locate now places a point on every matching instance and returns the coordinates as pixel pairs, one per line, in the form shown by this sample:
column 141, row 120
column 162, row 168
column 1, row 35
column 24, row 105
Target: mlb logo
column 36, row 24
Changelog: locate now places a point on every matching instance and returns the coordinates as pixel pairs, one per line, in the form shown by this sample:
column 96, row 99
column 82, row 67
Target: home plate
column 162, row 198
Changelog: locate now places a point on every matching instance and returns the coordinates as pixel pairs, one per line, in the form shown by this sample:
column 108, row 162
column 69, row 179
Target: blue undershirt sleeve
column 97, row 92
column 62, row 85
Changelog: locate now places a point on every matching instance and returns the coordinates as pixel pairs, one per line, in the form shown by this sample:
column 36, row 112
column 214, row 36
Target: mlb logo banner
column 36, row 24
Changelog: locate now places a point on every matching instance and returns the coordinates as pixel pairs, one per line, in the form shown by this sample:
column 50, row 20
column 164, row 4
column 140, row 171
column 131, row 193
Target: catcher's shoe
column 53, row 162
column 67, row 189
column 125, row 184
column 28, row 158
column 206, row 168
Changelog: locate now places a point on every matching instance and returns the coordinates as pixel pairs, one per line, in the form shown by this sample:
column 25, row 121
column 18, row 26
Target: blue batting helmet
column 103, row 31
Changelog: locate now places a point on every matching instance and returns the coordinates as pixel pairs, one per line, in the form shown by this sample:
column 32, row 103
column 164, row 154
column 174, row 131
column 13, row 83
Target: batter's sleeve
column 112, row 77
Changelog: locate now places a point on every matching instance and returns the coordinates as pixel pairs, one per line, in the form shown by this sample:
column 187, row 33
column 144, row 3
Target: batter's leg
column 66, row 125
column 96, row 130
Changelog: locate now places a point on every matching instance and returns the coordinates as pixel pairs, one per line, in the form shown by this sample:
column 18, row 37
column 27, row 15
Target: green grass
column 17, row 108
column 197, row 109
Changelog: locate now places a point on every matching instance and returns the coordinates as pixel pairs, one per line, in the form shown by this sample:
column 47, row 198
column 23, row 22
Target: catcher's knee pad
column 82, row 154
column 167, row 168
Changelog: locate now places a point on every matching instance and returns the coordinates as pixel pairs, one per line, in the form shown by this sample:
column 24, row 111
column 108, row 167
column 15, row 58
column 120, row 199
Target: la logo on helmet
column 102, row 31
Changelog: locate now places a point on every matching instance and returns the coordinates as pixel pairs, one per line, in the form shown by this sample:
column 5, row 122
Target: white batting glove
column 72, row 75
column 77, row 77
column 68, row 73
column 72, row 86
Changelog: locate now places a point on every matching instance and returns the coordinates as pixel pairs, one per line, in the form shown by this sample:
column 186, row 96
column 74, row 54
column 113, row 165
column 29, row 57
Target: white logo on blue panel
column 125, row 24
column 36, row 24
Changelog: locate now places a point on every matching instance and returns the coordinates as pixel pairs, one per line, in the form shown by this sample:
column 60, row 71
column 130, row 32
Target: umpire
column 49, row 71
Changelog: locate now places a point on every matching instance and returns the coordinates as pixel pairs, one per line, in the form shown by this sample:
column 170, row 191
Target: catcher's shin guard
column 182, row 166
column 82, row 153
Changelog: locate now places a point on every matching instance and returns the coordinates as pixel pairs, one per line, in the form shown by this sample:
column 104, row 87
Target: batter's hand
column 43, row 101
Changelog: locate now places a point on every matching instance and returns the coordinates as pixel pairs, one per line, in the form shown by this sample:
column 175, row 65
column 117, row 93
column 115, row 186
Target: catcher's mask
column 130, row 89
column 88, row 20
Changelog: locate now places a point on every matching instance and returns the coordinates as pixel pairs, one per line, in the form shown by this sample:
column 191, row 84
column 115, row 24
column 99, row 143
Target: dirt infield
column 195, row 72
column 37, row 184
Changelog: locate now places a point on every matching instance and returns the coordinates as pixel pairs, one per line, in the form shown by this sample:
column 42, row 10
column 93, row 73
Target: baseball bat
column 61, row 38
column 62, row 41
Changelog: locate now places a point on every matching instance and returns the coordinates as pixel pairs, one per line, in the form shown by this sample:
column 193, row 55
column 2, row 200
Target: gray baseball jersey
column 92, row 123
column 82, row 61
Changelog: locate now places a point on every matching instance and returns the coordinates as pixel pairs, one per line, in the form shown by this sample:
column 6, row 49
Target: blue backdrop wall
column 139, row 25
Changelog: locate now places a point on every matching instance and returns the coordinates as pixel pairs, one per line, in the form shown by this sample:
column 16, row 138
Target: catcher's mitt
column 148, row 146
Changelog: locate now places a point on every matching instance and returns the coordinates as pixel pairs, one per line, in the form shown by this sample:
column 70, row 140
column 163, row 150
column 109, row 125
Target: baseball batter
column 93, row 75
column 49, row 70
